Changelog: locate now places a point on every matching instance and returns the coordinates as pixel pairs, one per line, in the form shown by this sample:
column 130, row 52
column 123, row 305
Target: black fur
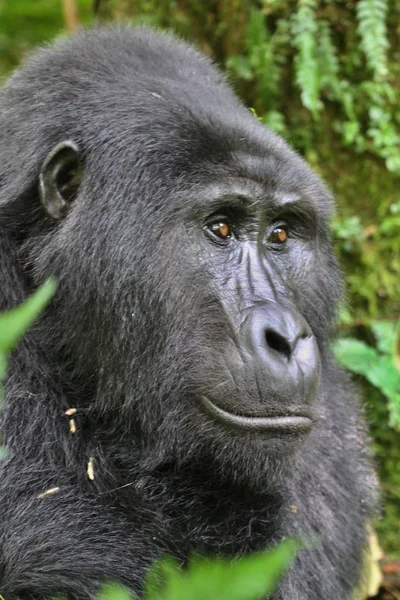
column 140, row 328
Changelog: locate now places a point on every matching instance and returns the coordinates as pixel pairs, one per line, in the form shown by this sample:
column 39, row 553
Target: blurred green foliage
column 26, row 23
column 326, row 75
column 249, row 578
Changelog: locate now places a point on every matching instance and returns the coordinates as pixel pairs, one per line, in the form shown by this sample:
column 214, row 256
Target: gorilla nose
column 284, row 332
column 276, row 333
column 282, row 351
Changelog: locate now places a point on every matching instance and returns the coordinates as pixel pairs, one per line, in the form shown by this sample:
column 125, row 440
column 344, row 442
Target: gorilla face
column 270, row 356
column 214, row 285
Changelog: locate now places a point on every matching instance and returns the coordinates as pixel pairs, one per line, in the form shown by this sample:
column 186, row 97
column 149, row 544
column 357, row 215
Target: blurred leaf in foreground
column 249, row 578
column 115, row 591
column 378, row 365
column 15, row 322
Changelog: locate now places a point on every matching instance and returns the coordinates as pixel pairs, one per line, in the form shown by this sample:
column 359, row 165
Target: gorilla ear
column 60, row 178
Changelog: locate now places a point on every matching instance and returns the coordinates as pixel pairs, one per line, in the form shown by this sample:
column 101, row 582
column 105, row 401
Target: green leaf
column 158, row 576
column 380, row 370
column 114, row 591
column 384, row 375
column 16, row 321
column 385, row 333
column 394, row 412
column 355, row 355
column 3, row 364
column 249, row 578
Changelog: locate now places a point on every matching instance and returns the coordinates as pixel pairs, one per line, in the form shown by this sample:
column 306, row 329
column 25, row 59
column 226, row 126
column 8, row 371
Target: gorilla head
column 196, row 281
column 191, row 249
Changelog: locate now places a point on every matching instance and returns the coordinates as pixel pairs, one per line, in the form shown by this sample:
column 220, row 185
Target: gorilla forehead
column 147, row 104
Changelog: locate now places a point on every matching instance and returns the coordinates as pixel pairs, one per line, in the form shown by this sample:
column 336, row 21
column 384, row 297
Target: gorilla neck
column 198, row 507
column 195, row 500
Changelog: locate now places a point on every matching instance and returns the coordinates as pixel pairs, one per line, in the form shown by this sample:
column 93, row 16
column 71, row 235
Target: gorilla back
column 178, row 395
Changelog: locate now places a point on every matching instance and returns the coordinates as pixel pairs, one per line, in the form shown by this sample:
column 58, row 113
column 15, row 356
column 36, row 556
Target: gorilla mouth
column 293, row 424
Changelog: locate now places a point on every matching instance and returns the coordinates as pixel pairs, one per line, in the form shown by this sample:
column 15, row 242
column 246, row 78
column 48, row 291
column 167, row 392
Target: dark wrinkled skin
column 160, row 336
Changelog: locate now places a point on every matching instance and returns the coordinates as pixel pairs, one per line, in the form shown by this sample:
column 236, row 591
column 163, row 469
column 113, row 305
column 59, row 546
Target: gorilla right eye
column 220, row 229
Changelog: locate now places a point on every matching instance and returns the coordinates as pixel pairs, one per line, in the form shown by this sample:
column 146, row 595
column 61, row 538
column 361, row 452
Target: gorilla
column 178, row 395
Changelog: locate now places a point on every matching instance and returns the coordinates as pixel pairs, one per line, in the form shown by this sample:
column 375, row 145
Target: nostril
column 278, row 343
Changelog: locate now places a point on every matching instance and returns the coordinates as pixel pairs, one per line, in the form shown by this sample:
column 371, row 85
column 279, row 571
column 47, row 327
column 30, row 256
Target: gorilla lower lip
column 280, row 424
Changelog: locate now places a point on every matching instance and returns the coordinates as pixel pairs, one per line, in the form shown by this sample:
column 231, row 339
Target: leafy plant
column 370, row 255
column 377, row 365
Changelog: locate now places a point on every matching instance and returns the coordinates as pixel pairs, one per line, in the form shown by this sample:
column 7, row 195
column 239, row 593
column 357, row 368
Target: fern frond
column 328, row 62
column 256, row 30
column 371, row 16
column 304, row 31
column 262, row 56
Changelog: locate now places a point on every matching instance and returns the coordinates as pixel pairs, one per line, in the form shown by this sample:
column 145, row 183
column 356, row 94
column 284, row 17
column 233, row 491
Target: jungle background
column 325, row 74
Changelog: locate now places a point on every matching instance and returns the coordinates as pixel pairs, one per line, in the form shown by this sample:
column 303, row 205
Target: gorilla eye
column 220, row 228
column 278, row 236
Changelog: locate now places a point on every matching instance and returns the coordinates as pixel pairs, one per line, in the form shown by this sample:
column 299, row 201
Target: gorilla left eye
column 220, row 228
